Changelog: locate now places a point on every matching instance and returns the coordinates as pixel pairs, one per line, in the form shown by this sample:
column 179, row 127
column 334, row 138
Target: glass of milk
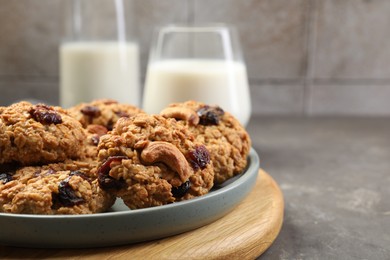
column 99, row 57
column 200, row 62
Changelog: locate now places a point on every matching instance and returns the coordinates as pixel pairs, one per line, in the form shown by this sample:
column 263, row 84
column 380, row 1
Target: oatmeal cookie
column 93, row 132
column 148, row 160
column 65, row 188
column 38, row 134
column 104, row 112
column 25, row 173
column 222, row 134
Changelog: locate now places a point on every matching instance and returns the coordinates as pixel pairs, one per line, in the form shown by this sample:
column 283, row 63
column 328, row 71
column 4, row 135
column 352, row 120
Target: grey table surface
column 335, row 177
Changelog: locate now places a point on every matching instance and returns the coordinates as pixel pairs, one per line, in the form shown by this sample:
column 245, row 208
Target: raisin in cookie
column 222, row 134
column 38, row 134
column 66, row 188
column 148, row 160
column 104, row 112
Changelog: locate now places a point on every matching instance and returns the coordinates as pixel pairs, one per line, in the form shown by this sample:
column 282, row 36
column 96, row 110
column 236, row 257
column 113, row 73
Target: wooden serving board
column 244, row 233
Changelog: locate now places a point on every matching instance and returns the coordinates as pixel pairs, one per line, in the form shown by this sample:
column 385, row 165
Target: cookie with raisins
column 226, row 139
column 38, row 134
column 104, row 112
column 148, row 161
column 65, row 188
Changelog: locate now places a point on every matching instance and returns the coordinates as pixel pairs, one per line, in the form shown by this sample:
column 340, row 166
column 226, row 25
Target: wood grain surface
column 244, row 233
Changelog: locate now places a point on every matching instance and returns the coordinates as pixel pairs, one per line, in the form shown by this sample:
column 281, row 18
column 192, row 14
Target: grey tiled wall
column 304, row 57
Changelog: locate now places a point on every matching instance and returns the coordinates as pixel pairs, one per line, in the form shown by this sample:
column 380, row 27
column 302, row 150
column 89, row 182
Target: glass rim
column 228, row 33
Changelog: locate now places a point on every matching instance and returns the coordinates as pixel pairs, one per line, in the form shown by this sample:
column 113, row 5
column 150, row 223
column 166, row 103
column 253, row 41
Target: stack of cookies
column 80, row 160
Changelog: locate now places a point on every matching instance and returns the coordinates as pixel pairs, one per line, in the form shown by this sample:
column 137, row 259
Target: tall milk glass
column 202, row 63
column 99, row 57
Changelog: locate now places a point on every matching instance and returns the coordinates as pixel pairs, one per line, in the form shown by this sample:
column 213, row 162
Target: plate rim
column 125, row 227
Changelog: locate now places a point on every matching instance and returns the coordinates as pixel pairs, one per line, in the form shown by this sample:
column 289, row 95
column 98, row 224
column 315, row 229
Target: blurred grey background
column 304, row 57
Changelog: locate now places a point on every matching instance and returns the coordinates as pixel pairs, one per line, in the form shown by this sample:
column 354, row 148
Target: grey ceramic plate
column 123, row 226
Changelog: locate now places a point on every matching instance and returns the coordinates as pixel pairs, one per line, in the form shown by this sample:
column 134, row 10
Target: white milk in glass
column 209, row 81
column 95, row 70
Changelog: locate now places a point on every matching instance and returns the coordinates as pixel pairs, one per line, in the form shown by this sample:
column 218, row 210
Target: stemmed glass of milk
column 99, row 57
column 200, row 62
